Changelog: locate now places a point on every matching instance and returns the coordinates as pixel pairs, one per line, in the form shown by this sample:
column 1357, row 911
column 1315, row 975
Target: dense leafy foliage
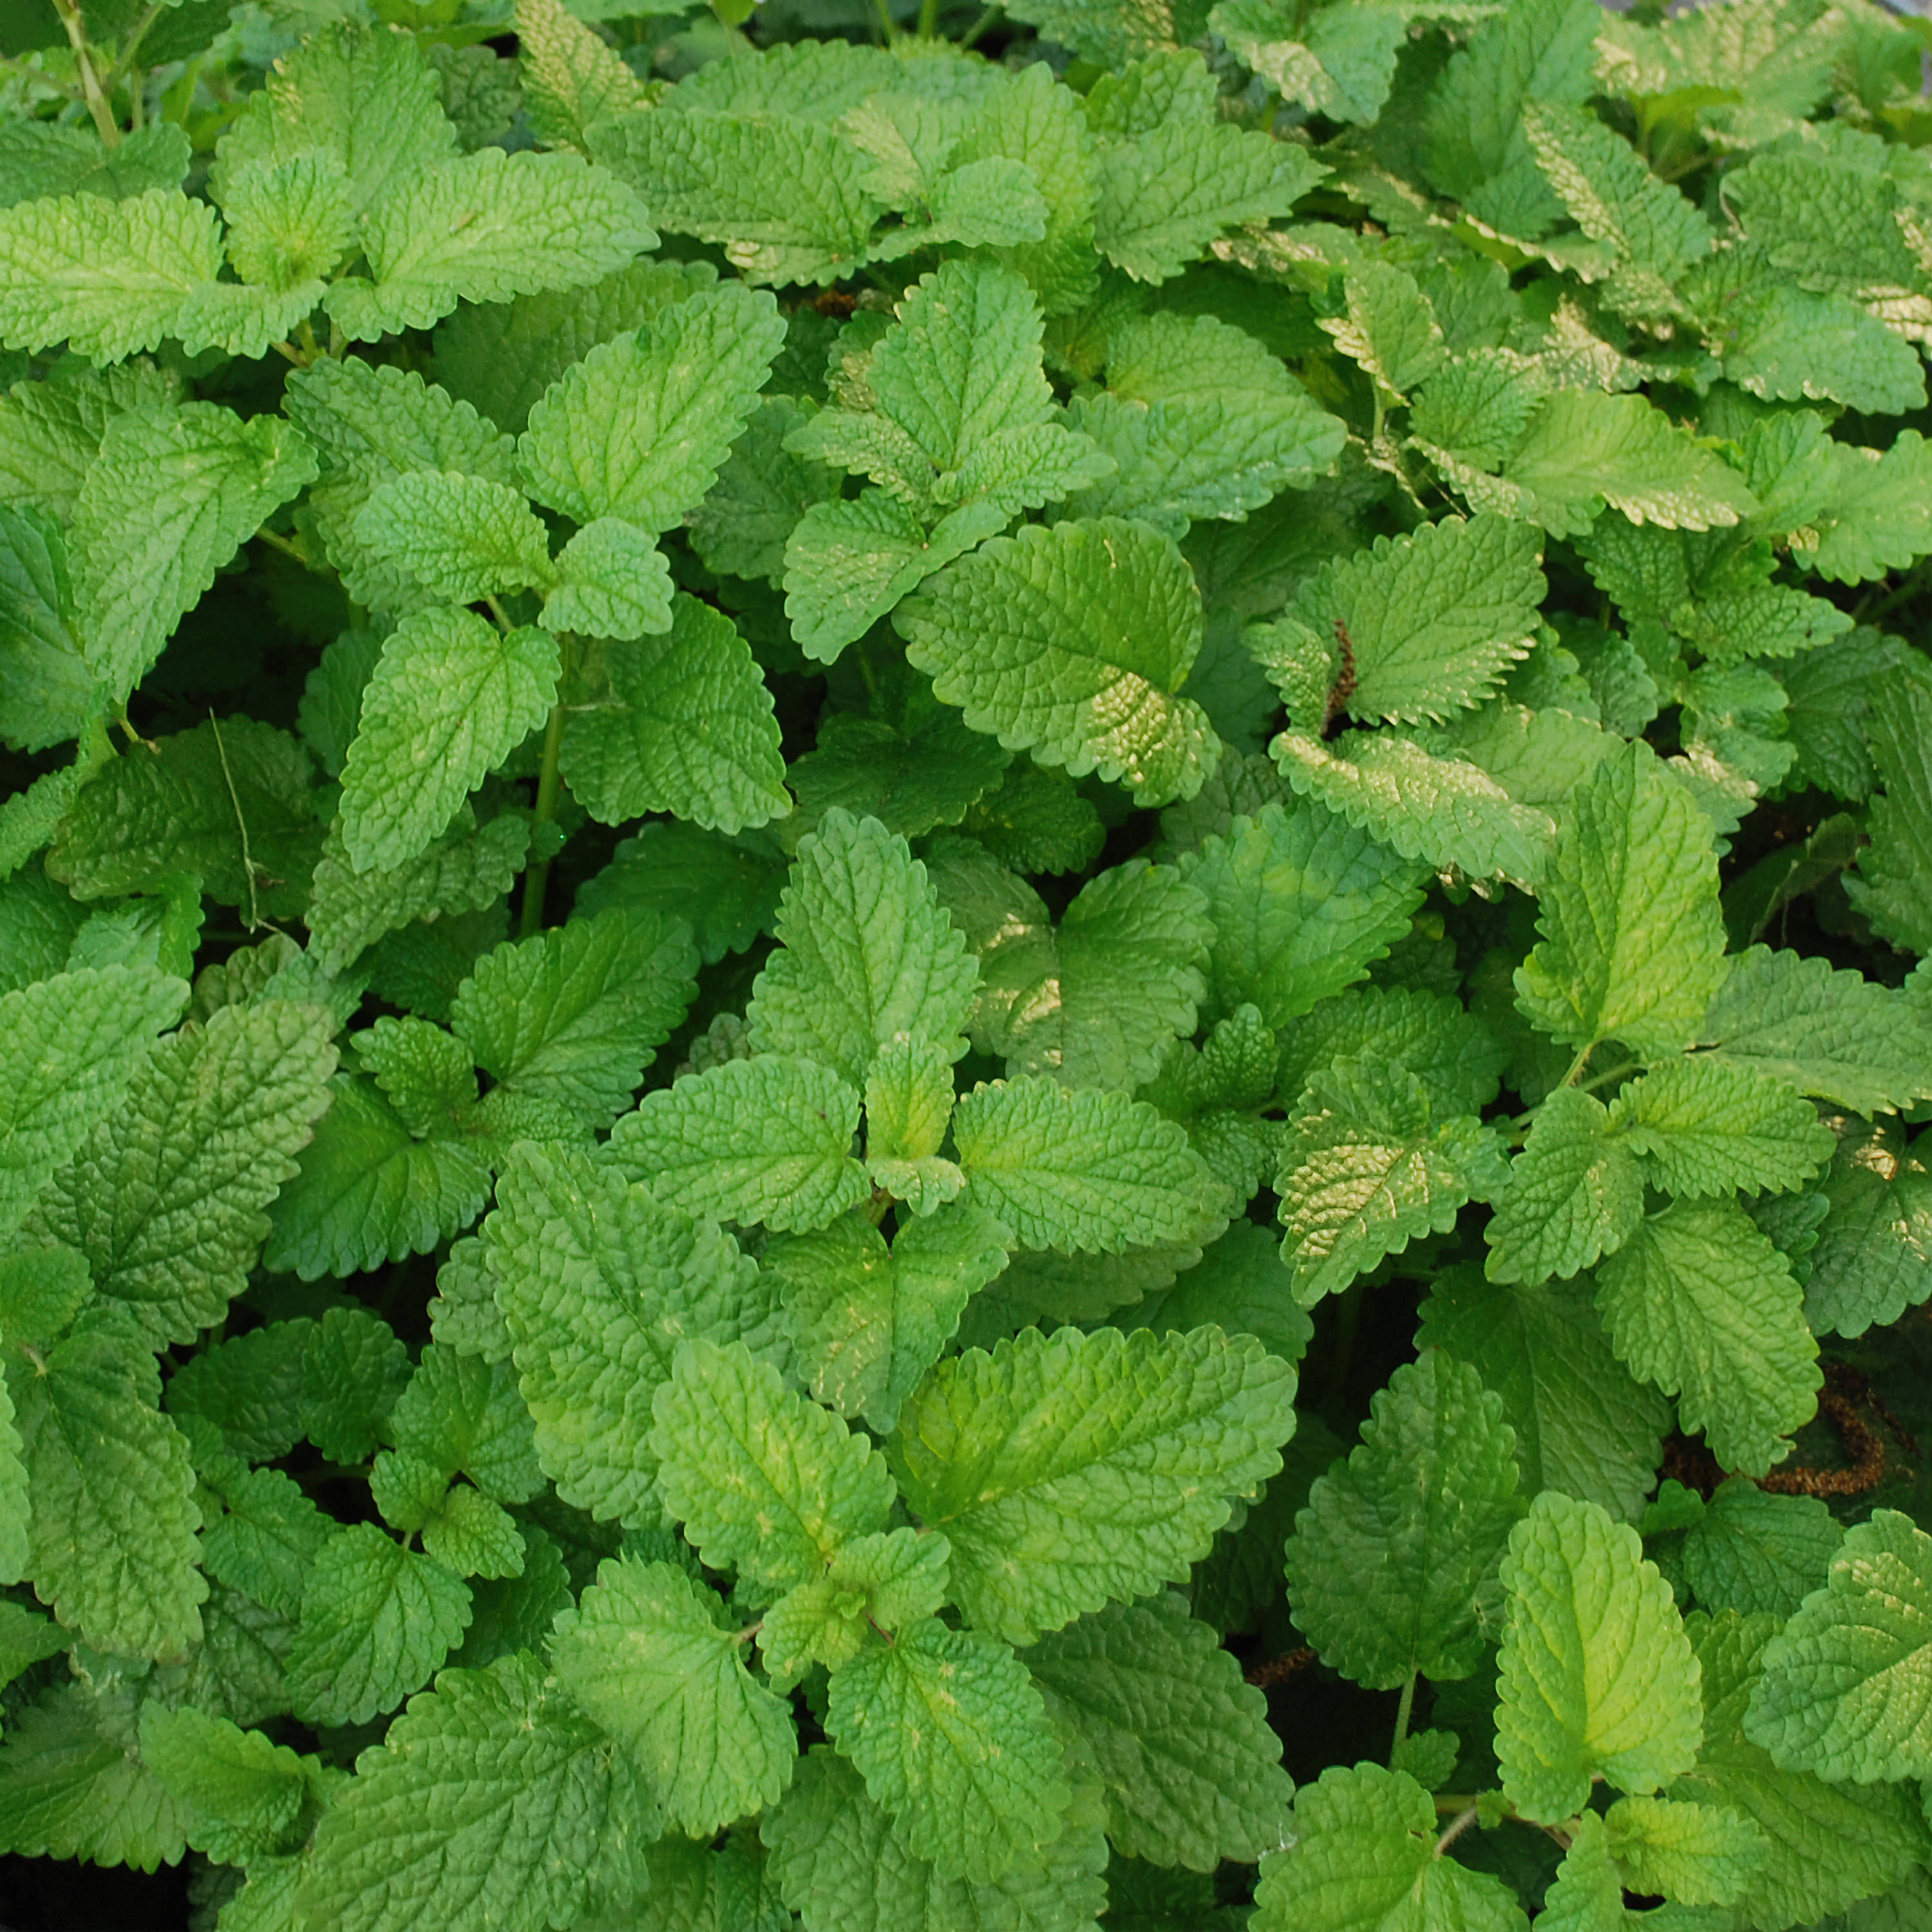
column 913, row 948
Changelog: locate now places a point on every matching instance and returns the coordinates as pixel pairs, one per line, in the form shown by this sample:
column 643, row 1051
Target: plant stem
column 1577, row 1066
column 1458, row 1825
column 90, row 89
column 1616, row 1073
column 1402, row 1716
column 929, row 19
column 979, row 26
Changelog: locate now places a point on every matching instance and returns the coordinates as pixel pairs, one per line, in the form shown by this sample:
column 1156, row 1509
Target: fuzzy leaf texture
column 1073, row 643
column 1596, row 1675
column 865, row 953
column 1632, row 945
column 1390, row 1568
column 1068, row 1469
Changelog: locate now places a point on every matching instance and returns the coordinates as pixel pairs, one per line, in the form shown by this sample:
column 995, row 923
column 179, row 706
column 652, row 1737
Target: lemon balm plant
column 867, row 900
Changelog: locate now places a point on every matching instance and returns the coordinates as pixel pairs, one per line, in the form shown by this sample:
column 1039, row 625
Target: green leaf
column 1752, row 1551
column 1842, row 1690
column 865, row 953
column 613, row 582
column 1426, row 624
column 1700, row 1302
column 1301, row 904
column 951, row 1736
column 1084, row 1170
column 461, row 537
column 1575, row 1191
column 1192, row 1771
column 911, row 773
column 365, row 96
column 868, row 1321
column 597, row 1282
column 1828, row 1844
column 468, row 869
column 1391, row 1567
column 764, row 1139
column 463, row 1413
column 51, row 693
column 1609, row 191
column 1444, row 811
column 1199, row 420
column 1369, row 1162
column 1027, row 119
column 165, row 1197
column 1706, row 1126
column 243, row 1791
column 265, row 1544
column 367, row 1193
column 570, row 77
column 1894, row 871
column 1072, row 642
column 289, row 222
column 1478, row 147
column 73, row 1786
column 1094, row 1001
column 1067, row 1470
column 377, row 1619
column 761, row 492
column 108, row 277
column 847, row 564
column 959, row 410
column 645, row 1653
column 1584, row 449
column 844, row 1862
column 231, row 802
column 762, row 1478
column 173, row 494
column 15, row 1549
column 639, row 428
column 1364, row 1856
column 1830, row 1033
column 1236, row 1285
column 1632, row 940
column 1584, row 1425
column 694, row 1888
column 787, row 200
column 1873, row 1259
column 450, row 698
column 1699, row 1854
column 1597, row 1676
column 111, row 1543
column 250, row 1387
column 1874, row 516
column 572, row 1015
column 69, row 1046
column 482, row 229
column 874, row 1584
column 353, row 1369
column 1162, row 198
column 502, row 356
column 491, row 1803
column 1389, row 328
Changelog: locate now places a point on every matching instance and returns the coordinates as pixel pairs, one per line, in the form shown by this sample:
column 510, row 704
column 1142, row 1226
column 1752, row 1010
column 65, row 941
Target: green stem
column 287, row 546
column 1615, row 1074
column 1458, row 1825
column 971, row 36
column 549, row 783
column 90, row 89
column 929, row 19
column 1402, row 1712
column 1577, row 1065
